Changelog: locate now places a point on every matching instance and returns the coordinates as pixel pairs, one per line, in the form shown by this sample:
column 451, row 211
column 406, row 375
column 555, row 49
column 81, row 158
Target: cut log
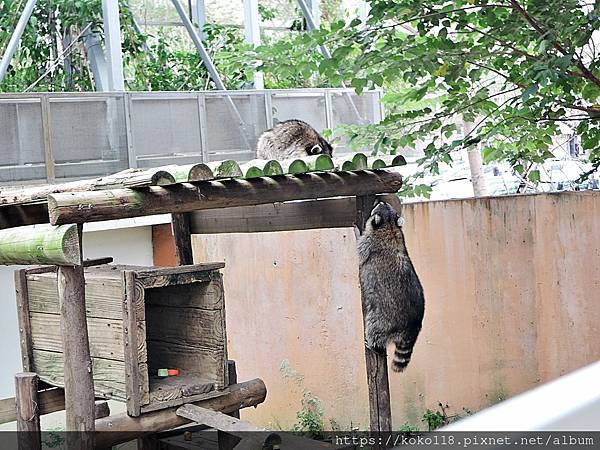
column 49, row 401
column 319, row 163
column 43, row 244
column 125, row 428
column 134, row 178
column 200, row 172
column 295, row 166
column 225, row 169
column 261, row 167
column 28, row 413
column 359, row 160
column 122, row 203
column 79, row 384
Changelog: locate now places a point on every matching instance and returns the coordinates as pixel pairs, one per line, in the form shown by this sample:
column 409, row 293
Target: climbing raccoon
column 291, row 139
column 392, row 291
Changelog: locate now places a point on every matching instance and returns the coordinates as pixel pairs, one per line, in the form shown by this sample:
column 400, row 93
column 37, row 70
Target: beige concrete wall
column 512, row 289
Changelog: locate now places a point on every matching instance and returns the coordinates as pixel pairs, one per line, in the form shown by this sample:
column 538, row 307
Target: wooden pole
column 28, row 414
column 377, row 371
column 125, row 428
column 80, row 207
column 183, row 239
column 41, row 244
column 79, row 384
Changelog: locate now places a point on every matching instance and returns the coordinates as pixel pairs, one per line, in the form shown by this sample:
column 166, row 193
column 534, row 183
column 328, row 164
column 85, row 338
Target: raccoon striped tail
column 402, row 355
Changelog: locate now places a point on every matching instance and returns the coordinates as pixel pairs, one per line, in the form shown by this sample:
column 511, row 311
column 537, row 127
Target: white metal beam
column 315, row 11
column 199, row 17
column 16, row 38
column 97, row 60
column 112, row 36
column 252, row 32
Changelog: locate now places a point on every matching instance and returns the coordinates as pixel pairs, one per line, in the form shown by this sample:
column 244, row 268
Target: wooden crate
column 140, row 319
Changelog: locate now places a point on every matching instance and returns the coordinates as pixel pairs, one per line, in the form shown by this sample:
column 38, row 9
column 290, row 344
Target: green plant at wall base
column 408, row 428
column 310, row 416
column 434, row 419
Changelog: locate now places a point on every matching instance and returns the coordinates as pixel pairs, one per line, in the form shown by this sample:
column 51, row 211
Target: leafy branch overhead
column 515, row 69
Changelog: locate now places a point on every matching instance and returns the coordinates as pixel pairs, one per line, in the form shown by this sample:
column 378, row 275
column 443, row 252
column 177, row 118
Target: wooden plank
column 106, row 335
column 178, row 401
column 40, row 245
column 301, row 215
column 287, row 216
column 79, row 207
column 109, row 380
column 183, row 239
column 23, row 317
column 377, row 373
column 134, row 297
column 126, row 428
column 164, row 271
column 28, row 415
column 78, row 381
column 49, row 401
column 215, row 419
column 103, row 297
column 207, row 295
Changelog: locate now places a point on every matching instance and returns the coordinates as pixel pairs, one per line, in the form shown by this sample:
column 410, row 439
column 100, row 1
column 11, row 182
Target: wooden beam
column 215, row 419
column 28, row 414
column 183, row 239
column 125, row 428
column 80, row 207
column 40, row 245
column 377, row 372
column 288, row 216
column 49, row 401
column 79, row 384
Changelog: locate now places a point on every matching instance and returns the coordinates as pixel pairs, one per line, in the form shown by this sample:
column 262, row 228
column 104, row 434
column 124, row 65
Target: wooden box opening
column 184, row 331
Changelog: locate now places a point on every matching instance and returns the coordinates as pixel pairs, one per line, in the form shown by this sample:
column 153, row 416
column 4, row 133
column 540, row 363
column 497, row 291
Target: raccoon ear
column 377, row 220
column 400, row 221
column 315, row 150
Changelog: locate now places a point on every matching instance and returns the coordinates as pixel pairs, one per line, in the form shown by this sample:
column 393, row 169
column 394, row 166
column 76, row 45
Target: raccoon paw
column 379, row 350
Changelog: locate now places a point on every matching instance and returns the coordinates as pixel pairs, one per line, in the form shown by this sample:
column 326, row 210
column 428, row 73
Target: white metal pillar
column 315, row 12
column 363, row 10
column 252, row 31
column 199, row 17
column 112, row 37
column 15, row 38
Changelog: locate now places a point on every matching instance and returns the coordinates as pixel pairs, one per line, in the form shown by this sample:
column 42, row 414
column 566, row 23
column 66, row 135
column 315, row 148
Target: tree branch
column 585, row 72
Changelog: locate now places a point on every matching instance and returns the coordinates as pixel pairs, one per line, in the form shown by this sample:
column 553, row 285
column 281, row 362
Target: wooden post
column 79, row 384
column 183, row 239
column 377, row 371
column 227, row 441
column 28, row 414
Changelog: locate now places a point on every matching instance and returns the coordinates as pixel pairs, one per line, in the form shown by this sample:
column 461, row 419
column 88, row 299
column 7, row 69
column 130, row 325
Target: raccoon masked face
column 384, row 215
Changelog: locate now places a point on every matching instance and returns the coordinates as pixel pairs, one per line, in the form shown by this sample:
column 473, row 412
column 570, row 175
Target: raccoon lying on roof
column 291, row 139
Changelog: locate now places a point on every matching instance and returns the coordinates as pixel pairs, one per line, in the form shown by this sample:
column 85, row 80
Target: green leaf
column 534, row 176
column 527, row 93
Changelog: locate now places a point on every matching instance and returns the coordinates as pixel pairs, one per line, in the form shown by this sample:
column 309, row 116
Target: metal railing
column 63, row 136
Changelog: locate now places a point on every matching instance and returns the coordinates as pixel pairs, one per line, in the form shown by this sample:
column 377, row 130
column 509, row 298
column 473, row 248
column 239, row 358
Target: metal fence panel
column 309, row 107
column 21, row 141
column 165, row 130
column 234, row 124
column 88, row 136
column 94, row 134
